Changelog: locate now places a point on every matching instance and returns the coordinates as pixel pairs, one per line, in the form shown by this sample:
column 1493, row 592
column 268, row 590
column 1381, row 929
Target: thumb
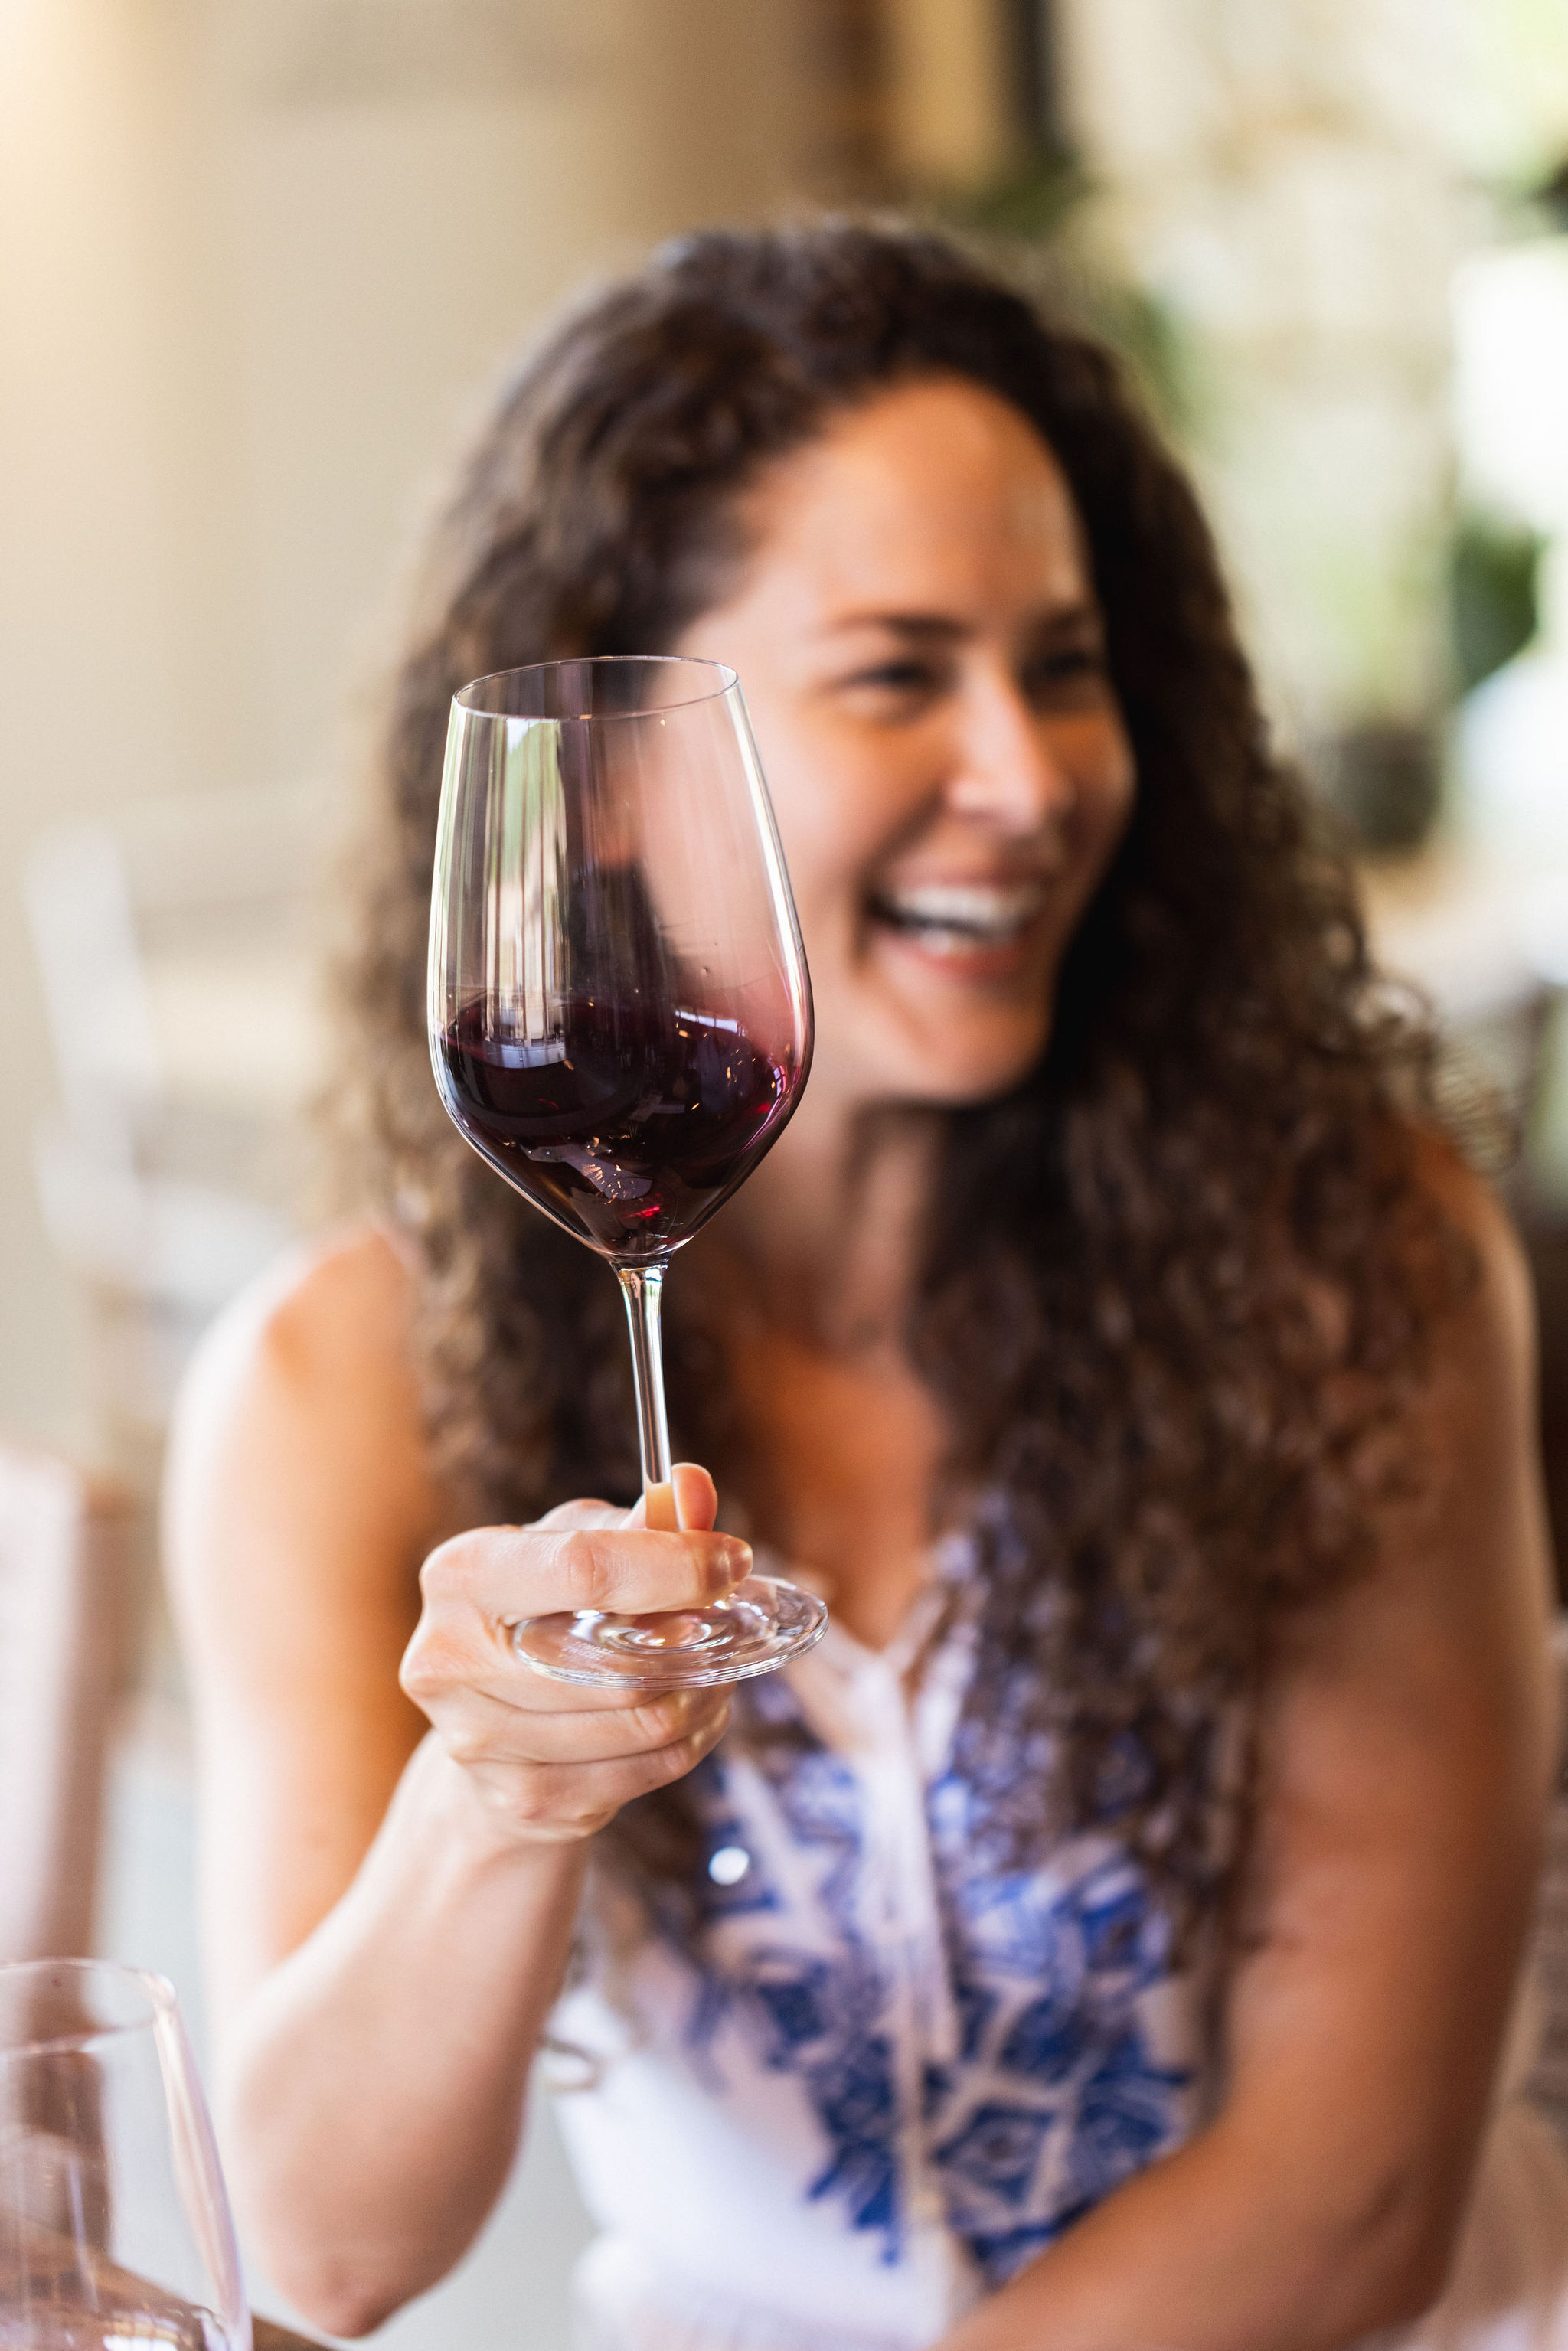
column 689, row 1502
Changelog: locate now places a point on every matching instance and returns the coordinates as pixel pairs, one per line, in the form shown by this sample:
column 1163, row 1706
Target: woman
column 1107, row 1938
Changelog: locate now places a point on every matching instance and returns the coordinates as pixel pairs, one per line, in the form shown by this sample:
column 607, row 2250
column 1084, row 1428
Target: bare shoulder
column 1406, row 1750
column 300, row 1426
column 1472, row 1208
column 1481, row 1392
column 1463, row 1583
column 298, row 1505
column 335, row 1308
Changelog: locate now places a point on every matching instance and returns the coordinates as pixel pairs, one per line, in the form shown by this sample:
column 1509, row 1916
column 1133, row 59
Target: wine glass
column 621, row 1025
column 114, row 2227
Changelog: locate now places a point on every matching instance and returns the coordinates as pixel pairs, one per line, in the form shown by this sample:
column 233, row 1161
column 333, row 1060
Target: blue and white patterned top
column 881, row 2074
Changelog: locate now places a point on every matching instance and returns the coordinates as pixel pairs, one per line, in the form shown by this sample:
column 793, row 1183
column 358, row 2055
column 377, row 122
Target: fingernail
column 732, row 1566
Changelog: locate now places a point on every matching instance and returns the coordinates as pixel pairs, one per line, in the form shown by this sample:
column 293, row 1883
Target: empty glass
column 114, row 2225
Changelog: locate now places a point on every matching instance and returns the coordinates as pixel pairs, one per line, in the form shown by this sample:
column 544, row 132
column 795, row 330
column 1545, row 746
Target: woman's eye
column 898, row 677
column 1074, row 669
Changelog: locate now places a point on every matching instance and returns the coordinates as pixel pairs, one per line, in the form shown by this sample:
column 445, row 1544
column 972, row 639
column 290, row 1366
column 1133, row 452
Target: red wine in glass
column 620, row 1024
column 630, row 1127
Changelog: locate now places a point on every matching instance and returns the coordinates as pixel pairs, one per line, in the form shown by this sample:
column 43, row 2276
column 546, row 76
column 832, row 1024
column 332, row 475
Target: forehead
column 935, row 492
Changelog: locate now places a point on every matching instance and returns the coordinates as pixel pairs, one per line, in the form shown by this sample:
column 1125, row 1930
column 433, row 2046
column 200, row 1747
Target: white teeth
column 979, row 909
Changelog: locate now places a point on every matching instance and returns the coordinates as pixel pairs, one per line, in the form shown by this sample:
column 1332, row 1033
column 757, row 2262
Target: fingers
column 477, row 1586
column 691, row 1495
column 485, row 1730
column 583, row 1514
column 509, row 1573
column 467, row 1652
column 560, row 1802
column 695, row 1499
column 555, row 1759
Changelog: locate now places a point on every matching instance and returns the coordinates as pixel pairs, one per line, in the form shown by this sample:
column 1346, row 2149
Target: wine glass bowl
column 621, row 1024
column 114, row 2225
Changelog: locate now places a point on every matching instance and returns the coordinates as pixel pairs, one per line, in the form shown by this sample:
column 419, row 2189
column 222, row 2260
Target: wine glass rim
column 723, row 681
column 156, row 1989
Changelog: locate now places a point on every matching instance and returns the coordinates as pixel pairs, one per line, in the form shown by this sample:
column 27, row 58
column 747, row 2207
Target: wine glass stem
column 642, row 1286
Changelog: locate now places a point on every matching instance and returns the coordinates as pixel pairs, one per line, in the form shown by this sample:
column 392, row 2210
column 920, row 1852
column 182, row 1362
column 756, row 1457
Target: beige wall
column 254, row 257
column 948, row 118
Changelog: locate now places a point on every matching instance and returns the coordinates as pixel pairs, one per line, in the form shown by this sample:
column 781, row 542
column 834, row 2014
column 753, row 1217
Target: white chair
column 173, row 945
column 66, row 1547
column 1487, row 946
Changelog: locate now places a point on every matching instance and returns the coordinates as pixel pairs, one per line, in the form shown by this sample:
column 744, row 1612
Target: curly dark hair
column 1179, row 1279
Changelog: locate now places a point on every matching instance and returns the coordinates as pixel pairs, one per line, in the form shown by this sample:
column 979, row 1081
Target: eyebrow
column 939, row 628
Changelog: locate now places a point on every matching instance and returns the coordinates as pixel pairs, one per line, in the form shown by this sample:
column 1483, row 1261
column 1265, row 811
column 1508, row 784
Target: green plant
column 1494, row 610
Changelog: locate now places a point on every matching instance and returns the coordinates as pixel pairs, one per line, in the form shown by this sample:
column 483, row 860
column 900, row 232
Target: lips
column 958, row 918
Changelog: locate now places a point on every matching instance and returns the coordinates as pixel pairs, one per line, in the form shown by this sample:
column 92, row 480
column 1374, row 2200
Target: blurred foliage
column 1033, row 223
column 1383, row 778
column 1517, row 71
column 1527, row 204
column 1493, row 600
column 1027, row 205
column 1552, row 196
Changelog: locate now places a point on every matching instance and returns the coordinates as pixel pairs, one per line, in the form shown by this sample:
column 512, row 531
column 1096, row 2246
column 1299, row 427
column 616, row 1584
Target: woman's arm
column 1409, row 1741
column 387, row 1907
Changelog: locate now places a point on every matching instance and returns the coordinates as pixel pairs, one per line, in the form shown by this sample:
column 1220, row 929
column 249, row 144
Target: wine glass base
column 758, row 1629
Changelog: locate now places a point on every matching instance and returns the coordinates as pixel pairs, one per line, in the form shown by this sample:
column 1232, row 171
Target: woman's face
column 922, row 655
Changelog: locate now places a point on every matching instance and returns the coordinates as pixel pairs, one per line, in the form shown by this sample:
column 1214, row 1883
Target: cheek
column 810, row 849
column 1107, row 789
column 832, row 820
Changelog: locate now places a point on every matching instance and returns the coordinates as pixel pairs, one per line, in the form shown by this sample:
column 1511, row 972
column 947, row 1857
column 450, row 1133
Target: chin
column 969, row 1094
column 950, row 1074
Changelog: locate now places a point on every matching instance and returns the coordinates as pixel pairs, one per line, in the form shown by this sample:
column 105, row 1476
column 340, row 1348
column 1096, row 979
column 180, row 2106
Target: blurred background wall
column 257, row 261
column 260, row 258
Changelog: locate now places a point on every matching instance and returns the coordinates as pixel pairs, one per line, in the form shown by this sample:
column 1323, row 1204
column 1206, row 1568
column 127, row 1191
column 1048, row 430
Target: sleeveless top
column 885, row 2069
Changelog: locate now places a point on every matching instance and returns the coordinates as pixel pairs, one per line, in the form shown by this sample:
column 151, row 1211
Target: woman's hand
column 552, row 1761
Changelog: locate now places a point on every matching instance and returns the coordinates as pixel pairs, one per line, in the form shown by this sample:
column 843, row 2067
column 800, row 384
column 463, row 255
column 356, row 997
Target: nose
column 1006, row 770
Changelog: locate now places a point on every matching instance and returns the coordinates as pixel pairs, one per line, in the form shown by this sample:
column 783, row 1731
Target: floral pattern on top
column 1070, row 2066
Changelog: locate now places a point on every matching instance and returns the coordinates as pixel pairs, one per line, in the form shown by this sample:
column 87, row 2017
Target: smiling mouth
column 959, row 918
